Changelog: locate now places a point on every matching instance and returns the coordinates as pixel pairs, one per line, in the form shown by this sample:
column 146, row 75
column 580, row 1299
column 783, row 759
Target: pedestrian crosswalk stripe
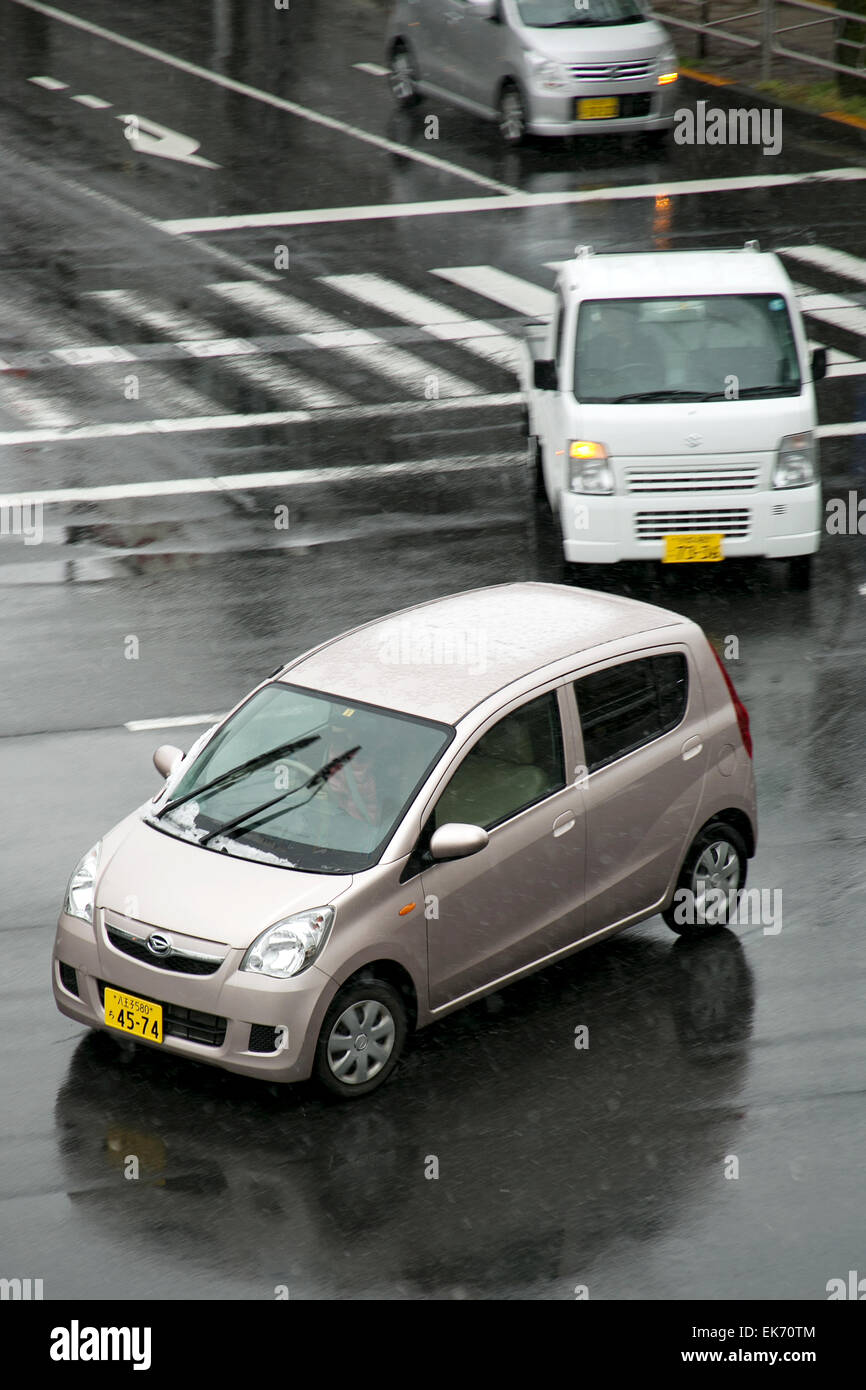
column 323, row 330
column 437, row 319
column 828, row 258
column 510, row 290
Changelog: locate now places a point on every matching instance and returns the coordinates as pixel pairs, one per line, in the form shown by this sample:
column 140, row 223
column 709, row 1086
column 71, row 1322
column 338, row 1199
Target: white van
column 671, row 410
column 537, row 67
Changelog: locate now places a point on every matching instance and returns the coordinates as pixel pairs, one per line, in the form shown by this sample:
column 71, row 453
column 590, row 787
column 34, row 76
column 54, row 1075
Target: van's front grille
column 654, row 526
column 734, row 477
column 612, row 72
column 178, row 1022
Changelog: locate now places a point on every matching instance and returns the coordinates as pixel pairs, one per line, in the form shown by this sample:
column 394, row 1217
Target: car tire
column 657, row 140
column 536, row 463
column 512, row 115
column 369, row 1009
column 403, row 77
column 718, row 859
column 800, row 573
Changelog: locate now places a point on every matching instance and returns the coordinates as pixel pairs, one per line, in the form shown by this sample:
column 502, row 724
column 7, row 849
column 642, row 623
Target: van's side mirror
column 819, row 364
column 166, row 759
column 544, row 376
column 457, row 841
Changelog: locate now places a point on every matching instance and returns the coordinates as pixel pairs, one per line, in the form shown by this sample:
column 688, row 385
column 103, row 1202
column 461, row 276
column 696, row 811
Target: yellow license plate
column 597, row 108
column 140, row 1018
column 680, row 550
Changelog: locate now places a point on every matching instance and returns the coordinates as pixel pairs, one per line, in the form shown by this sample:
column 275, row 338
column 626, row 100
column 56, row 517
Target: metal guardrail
column 763, row 31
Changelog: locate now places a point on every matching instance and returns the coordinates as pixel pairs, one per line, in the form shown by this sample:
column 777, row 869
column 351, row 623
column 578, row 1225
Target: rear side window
column 628, row 705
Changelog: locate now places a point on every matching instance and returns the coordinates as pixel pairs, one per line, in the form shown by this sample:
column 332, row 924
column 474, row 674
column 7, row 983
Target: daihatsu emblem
column 693, row 440
column 612, row 72
column 158, row 945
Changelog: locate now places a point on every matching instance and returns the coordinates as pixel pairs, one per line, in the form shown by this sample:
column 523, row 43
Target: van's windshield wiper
column 666, row 394
column 234, row 774
column 314, row 782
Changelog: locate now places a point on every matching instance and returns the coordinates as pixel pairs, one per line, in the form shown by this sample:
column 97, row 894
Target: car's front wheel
column 713, row 873
column 361, row 1038
column 800, row 572
column 402, row 77
column 512, row 115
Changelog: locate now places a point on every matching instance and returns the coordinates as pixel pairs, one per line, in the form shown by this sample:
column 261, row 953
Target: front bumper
column 773, row 524
column 554, row 113
column 247, row 1005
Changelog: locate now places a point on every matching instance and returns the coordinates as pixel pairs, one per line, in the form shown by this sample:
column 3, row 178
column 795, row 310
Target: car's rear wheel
column 403, row 77
column 361, row 1038
column 716, row 864
column 512, row 115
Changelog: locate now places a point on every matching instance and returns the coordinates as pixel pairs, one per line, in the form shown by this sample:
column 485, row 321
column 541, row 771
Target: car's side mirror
column 819, row 364
column 544, row 376
column 166, row 759
column 457, row 841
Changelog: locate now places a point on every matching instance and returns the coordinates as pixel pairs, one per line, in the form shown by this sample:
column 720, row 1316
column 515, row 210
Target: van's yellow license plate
column 141, row 1018
column 679, row 550
column 597, row 108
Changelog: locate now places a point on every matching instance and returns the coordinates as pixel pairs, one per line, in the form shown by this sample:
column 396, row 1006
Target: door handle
column 691, row 748
column 563, row 823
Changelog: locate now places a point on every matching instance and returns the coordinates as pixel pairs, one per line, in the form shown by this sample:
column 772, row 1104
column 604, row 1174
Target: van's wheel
column 717, row 860
column 402, row 77
column 536, row 463
column 361, row 1039
column 512, row 115
column 800, row 572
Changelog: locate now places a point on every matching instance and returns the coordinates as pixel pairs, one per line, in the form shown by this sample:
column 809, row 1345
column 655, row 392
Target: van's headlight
column 666, row 66
column 588, row 467
column 548, row 75
column 79, row 890
column 795, row 461
column 288, row 947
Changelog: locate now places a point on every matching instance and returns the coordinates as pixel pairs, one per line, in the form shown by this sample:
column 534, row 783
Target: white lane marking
column 435, row 318
column 410, row 372
column 19, row 397
column 267, row 419
column 498, row 285
column 284, row 383
column 92, row 103
column 50, row 84
column 148, row 137
column 267, row 98
column 183, row 226
column 835, row 431
column 251, row 482
column 835, row 309
column 176, row 721
column 828, row 258
column 92, row 356
column 374, row 69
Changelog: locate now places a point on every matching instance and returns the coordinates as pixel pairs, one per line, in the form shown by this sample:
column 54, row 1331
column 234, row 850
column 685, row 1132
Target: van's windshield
column 726, row 347
column 566, row 14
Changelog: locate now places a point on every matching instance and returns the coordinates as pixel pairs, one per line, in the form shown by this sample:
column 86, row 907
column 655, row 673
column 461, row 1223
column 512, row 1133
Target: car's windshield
column 726, row 347
column 568, row 14
column 326, row 812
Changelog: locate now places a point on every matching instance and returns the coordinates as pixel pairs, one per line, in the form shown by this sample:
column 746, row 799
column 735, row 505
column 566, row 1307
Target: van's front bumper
column 775, row 524
column 233, row 1011
column 554, row 113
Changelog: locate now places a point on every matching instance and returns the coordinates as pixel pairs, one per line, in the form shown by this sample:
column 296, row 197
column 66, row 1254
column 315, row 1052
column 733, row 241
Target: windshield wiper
column 315, row 781
column 667, row 394
column 234, row 774
column 782, row 388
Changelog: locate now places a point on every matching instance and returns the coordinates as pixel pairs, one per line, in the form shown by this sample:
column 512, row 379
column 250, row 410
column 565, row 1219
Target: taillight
column 739, row 708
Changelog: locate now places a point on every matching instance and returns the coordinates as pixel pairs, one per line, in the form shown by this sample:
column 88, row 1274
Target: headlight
column 666, row 66
column 550, row 75
column 79, row 891
column 795, row 461
column 288, row 947
column 588, row 467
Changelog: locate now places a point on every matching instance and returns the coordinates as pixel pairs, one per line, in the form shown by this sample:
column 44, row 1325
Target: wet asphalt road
column 558, row 1167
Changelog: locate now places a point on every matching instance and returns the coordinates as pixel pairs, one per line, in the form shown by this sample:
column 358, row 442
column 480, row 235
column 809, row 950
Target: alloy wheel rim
column 512, row 117
column 401, row 76
column 718, row 868
column 361, row 1041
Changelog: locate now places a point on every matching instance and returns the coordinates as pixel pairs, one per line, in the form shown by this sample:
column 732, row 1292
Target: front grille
column 180, row 962
column 263, row 1038
column 68, row 978
column 178, row 1022
column 612, row 72
column 654, row 526
column 733, row 477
